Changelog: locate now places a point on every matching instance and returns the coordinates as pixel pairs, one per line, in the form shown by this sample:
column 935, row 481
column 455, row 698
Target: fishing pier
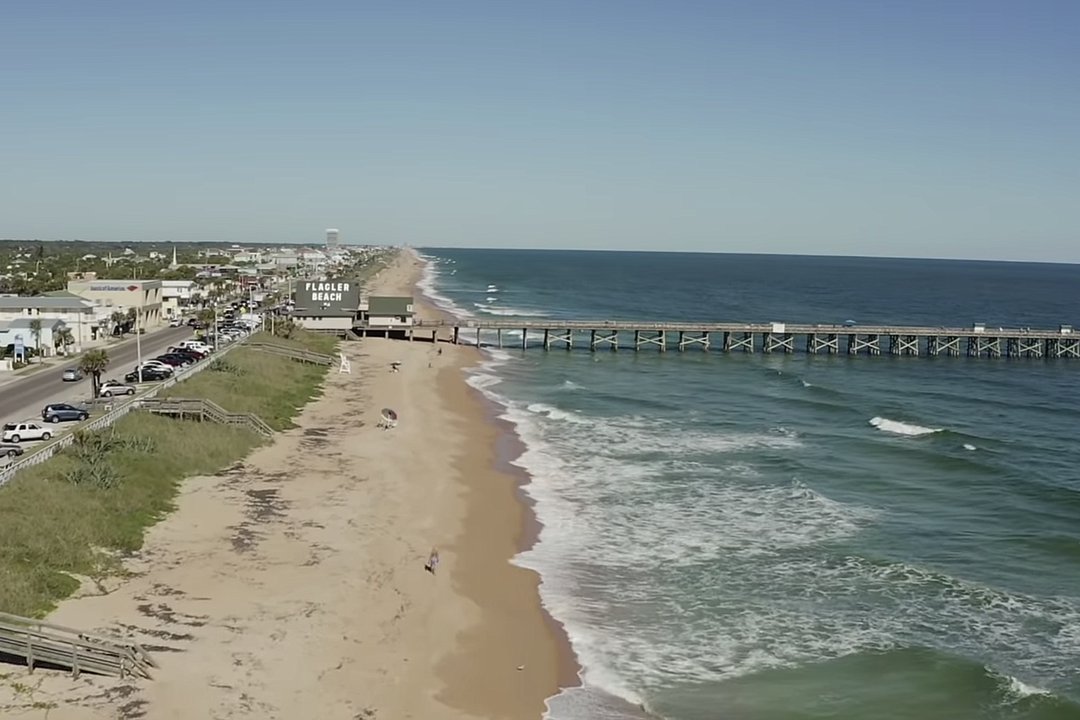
column 774, row 337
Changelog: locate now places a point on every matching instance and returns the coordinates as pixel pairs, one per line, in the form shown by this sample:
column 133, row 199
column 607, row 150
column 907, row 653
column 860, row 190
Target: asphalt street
column 24, row 398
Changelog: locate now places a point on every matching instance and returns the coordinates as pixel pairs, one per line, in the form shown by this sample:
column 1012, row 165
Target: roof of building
column 141, row 282
column 60, row 294
column 23, row 323
column 390, row 305
column 44, row 303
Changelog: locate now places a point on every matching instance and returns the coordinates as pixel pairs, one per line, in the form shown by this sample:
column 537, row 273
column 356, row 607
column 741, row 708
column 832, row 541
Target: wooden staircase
column 203, row 409
column 297, row 354
column 40, row 643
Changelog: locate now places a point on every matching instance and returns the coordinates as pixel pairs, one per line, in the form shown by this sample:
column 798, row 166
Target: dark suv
column 148, row 375
column 62, row 412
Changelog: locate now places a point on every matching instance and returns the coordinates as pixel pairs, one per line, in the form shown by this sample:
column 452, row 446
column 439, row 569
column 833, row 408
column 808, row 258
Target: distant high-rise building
column 332, row 239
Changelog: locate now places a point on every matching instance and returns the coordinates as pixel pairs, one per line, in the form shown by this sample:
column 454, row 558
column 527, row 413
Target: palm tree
column 35, row 330
column 94, row 363
column 63, row 339
column 117, row 319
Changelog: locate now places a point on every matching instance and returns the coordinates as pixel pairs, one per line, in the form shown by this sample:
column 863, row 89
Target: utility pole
column 138, row 343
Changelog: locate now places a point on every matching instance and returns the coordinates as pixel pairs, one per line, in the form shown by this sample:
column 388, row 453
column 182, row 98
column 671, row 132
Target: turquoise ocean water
column 771, row 537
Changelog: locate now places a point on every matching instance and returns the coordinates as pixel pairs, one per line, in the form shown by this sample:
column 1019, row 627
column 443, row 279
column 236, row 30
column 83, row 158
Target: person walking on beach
column 433, row 561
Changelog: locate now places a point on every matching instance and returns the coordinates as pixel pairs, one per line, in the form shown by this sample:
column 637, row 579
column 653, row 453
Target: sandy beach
column 292, row 585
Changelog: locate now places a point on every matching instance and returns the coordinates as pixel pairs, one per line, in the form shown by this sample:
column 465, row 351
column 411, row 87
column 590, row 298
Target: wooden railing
column 298, row 354
column 204, row 409
column 42, row 643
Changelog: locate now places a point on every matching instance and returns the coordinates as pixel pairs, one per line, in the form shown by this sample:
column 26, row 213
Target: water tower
column 331, row 239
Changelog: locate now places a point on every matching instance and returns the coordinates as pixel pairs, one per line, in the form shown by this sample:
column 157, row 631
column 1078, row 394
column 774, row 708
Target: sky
column 917, row 129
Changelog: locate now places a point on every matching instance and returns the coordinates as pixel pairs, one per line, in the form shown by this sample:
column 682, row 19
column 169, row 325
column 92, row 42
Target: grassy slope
column 52, row 528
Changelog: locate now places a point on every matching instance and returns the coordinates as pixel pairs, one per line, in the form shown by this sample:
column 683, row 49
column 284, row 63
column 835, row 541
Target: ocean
column 787, row 537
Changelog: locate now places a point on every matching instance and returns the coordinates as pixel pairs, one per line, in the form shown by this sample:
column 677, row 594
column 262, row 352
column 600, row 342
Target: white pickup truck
column 17, row 432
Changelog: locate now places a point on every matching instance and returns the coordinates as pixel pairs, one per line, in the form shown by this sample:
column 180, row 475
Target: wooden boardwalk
column 202, row 409
column 773, row 337
column 39, row 643
column 298, row 354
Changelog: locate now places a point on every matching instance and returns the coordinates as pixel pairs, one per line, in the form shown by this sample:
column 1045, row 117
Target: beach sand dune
column 292, row 585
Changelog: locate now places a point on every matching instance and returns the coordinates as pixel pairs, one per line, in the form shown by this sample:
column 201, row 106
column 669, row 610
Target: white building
column 21, row 331
column 122, row 295
column 86, row 321
column 176, row 295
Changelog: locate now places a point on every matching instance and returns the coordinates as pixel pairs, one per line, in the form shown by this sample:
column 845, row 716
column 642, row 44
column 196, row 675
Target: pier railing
column 771, row 337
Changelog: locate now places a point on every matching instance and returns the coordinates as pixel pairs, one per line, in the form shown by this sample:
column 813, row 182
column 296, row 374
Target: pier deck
column 771, row 337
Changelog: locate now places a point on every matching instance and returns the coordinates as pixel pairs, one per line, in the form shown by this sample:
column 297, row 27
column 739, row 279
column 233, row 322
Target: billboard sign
column 327, row 297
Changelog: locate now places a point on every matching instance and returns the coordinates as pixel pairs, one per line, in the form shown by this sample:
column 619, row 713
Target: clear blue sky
column 943, row 129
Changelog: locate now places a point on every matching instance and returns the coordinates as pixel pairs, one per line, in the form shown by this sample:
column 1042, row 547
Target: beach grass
column 77, row 514
column 248, row 380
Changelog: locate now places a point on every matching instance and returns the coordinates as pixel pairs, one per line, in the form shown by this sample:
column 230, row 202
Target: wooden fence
column 298, row 354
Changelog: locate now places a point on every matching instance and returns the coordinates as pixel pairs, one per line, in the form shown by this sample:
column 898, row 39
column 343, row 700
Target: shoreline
column 506, row 447
column 509, row 447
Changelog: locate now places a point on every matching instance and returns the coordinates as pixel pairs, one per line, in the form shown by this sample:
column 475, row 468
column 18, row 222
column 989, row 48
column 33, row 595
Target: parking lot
column 36, row 391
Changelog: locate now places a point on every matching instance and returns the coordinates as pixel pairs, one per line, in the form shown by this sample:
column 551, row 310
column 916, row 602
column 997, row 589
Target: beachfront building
column 176, row 295
column 123, row 295
column 86, row 321
column 388, row 312
column 21, row 331
column 326, row 305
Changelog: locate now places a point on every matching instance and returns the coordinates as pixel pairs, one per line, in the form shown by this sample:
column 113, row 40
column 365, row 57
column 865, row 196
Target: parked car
column 163, row 366
column 193, row 355
column 115, row 387
column 149, row 374
column 176, row 322
column 196, row 345
column 17, row 432
column 199, row 354
column 173, row 360
column 71, row 375
column 62, row 412
column 10, row 451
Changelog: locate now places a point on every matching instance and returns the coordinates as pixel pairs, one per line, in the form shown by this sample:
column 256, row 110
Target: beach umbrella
column 389, row 415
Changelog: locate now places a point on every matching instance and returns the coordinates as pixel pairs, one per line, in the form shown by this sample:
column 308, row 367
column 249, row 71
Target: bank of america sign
column 113, row 288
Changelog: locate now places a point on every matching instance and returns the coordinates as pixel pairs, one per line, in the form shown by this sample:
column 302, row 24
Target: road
column 23, row 399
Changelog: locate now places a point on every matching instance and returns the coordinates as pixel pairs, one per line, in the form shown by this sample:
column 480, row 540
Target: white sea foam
column 509, row 311
column 555, row 413
column 901, row 428
column 969, row 446
column 428, row 285
column 1021, row 689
